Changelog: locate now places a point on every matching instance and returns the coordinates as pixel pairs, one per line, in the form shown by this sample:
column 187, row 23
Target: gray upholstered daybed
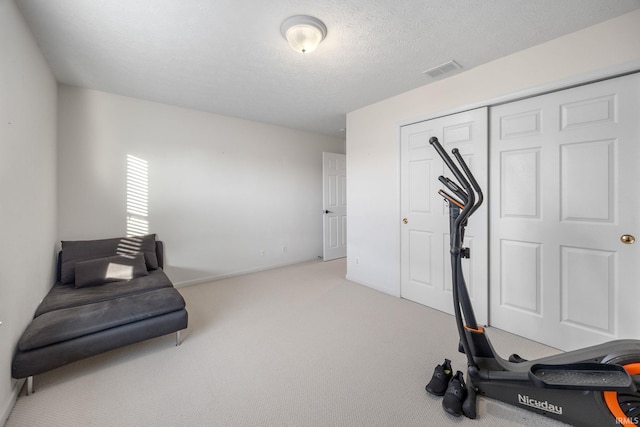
column 109, row 293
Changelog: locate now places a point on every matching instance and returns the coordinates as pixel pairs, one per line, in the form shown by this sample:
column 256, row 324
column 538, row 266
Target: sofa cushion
column 67, row 295
column 65, row 324
column 74, row 251
column 43, row 359
column 115, row 268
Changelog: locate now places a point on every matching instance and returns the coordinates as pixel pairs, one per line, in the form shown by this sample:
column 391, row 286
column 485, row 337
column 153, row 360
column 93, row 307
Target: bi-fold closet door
column 564, row 202
column 555, row 262
column 424, row 224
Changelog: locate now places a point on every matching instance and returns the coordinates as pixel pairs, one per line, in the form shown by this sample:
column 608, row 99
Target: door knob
column 627, row 239
column 327, row 212
column 405, row 220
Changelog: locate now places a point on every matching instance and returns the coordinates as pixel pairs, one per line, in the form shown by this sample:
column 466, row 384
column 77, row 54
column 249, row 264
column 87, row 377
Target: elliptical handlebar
column 447, row 160
column 460, row 210
column 465, row 176
column 472, row 179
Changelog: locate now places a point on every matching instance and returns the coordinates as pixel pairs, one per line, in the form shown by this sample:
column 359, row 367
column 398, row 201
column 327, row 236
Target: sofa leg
column 177, row 338
column 30, row 385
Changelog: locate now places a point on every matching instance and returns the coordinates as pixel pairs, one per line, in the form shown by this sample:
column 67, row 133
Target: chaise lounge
column 109, row 293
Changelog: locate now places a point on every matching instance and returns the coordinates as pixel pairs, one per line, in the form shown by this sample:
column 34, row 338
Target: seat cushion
column 43, row 359
column 67, row 295
column 65, row 324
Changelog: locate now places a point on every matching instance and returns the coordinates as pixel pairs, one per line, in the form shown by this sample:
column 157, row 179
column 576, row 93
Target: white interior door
column 334, row 172
column 424, row 221
column 563, row 192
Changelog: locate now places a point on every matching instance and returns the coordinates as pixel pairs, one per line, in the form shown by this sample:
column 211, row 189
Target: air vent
column 441, row 69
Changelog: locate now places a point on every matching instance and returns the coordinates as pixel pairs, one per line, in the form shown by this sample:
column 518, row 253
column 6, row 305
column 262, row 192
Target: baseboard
column 239, row 273
column 392, row 292
column 15, row 392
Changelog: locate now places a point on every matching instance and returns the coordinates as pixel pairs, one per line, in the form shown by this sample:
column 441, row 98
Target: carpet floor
column 293, row 346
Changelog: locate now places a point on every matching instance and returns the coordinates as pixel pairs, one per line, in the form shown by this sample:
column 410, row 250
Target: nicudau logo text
column 543, row 405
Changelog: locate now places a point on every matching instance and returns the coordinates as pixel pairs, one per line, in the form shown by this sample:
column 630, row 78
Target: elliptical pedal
column 582, row 376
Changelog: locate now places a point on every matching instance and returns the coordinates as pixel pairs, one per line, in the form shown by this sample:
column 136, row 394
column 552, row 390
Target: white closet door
column 564, row 192
column 424, row 220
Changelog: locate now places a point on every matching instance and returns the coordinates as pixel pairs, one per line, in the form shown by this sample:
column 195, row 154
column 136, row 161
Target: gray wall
column 27, row 187
column 220, row 189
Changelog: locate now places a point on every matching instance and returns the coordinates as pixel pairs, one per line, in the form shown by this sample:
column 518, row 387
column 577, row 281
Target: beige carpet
column 294, row 346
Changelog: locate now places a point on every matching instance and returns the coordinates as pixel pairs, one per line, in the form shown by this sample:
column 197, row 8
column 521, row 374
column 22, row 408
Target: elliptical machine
column 593, row 386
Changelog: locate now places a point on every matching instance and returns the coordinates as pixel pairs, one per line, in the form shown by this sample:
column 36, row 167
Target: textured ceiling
column 228, row 56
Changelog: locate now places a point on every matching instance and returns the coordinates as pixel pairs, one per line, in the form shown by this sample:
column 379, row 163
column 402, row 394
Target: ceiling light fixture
column 304, row 33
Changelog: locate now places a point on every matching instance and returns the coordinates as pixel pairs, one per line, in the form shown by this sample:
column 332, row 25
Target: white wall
column 27, row 187
column 220, row 189
column 373, row 183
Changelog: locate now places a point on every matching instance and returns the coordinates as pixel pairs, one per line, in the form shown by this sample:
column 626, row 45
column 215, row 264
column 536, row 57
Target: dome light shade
column 304, row 33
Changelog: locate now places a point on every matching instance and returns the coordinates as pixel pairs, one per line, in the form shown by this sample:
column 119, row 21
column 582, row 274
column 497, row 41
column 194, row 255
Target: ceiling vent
column 441, row 69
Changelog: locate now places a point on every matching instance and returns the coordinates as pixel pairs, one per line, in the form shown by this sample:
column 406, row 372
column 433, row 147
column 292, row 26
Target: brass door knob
column 627, row 239
column 405, row 220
